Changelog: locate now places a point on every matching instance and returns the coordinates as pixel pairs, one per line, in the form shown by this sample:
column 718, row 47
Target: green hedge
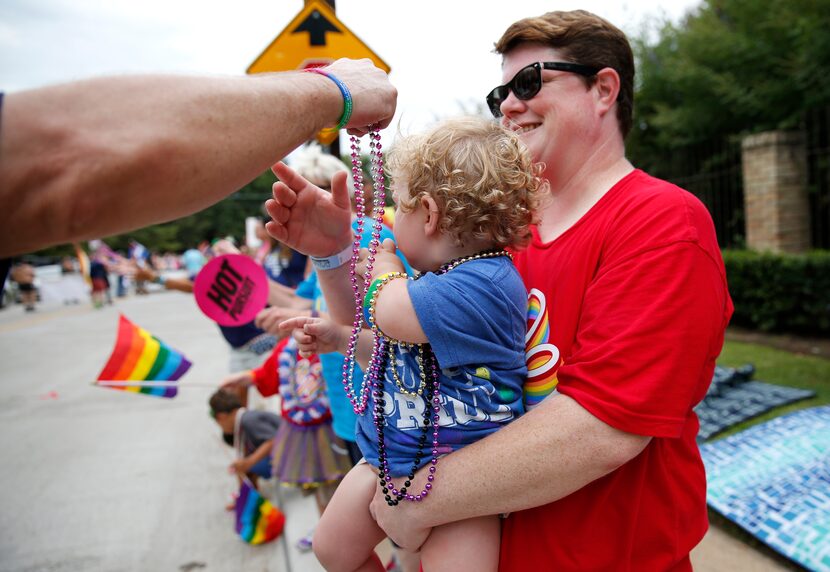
column 780, row 292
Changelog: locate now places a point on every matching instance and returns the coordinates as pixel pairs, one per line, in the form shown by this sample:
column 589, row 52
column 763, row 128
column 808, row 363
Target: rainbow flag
column 257, row 520
column 140, row 356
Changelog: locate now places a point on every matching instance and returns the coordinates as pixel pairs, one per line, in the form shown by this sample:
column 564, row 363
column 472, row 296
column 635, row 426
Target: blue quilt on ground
column 774, row 481
column 733, row 397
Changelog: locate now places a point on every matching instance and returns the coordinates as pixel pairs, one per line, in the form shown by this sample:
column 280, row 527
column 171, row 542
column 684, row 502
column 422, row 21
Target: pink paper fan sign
column 231, row 289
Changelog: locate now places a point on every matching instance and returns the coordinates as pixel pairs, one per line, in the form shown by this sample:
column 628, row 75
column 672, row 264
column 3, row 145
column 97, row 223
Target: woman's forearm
column 547, row 454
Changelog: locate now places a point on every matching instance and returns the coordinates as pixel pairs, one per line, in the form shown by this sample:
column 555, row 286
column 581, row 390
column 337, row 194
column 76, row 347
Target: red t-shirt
column 265, row 377
column 627, row 313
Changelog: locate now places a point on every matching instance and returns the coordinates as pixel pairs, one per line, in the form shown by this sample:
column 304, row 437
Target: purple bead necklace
column 360, row 399
column 432, row 407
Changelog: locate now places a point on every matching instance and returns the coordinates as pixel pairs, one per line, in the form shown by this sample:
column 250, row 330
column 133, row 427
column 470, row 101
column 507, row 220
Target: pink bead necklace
column 377, row 363
column 360, row 399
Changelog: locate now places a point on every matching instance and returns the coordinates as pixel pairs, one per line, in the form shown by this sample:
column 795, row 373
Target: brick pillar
column 775, row 191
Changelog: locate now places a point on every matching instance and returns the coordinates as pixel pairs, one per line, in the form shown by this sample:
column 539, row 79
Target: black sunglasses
column 528, row 81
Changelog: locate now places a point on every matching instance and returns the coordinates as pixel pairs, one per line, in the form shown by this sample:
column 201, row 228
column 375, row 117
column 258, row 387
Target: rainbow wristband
column 347, row 99
column 372, row 292
column 369, row 318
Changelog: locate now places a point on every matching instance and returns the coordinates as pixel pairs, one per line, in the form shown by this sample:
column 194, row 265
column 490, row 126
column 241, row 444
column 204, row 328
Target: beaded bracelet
column 372, row 292
column 347, row 99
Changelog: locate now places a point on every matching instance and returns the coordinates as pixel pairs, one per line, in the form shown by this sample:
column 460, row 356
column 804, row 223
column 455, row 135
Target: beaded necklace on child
column 383, row 349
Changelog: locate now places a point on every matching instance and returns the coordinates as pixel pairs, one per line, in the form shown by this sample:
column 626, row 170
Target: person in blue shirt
column 194, row 258
column 448, row 346
column 283, row 265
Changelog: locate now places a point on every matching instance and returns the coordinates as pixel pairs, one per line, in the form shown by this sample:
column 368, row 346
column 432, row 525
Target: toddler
column 451, row 342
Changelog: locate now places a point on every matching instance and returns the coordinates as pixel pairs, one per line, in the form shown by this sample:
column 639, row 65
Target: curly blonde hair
column 480, row 175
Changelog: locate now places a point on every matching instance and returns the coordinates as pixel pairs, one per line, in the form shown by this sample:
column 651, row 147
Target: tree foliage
column 731, row 67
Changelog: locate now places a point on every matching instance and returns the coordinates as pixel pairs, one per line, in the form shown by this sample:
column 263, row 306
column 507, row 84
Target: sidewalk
column 818, row 347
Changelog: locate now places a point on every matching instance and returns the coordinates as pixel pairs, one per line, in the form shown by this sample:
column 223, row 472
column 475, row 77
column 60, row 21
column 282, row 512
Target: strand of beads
column 477, row 256
column 378, row 197
column 428, row 389
column 360, row 399
column 393, row 495
column 421, row 384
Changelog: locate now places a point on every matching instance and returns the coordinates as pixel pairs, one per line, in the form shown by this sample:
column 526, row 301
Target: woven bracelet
column 347, row 99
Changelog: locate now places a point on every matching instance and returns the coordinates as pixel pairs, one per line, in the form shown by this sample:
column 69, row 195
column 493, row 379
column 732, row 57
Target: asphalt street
column 100, row 479
column 96, row 479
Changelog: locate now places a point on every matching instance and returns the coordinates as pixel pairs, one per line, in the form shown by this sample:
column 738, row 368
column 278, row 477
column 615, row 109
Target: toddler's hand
column 270, row 319
column 317, row 335
column 386, row 260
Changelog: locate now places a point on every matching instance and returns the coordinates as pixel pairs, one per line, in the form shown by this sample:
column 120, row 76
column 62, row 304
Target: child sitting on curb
column 251, row 433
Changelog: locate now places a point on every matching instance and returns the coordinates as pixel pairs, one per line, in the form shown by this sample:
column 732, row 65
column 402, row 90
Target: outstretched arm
column 102, row 156
column 181, row 284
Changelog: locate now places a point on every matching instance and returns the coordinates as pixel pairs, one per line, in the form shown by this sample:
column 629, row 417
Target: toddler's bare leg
column 471, row 544
column 346, row 536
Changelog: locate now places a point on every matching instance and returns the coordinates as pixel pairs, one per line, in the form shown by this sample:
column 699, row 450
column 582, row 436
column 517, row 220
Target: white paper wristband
column 333, row 261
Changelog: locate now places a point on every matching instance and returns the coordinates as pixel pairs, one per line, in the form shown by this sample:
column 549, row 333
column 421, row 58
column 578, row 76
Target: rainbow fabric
column 257, row 520
column 139, row 356
column 543, row 359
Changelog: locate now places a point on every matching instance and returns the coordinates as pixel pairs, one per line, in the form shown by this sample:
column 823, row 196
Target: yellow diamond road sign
column 314, row 38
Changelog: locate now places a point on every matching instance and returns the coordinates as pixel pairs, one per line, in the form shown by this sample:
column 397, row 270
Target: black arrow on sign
column 316, row 25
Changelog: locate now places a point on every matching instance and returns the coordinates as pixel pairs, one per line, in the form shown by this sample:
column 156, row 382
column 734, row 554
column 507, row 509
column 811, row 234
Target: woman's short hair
column 583, row 38
column 481, row 176
column 318, row 167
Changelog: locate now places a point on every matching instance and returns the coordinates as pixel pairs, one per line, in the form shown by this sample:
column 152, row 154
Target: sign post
column 314, row 38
